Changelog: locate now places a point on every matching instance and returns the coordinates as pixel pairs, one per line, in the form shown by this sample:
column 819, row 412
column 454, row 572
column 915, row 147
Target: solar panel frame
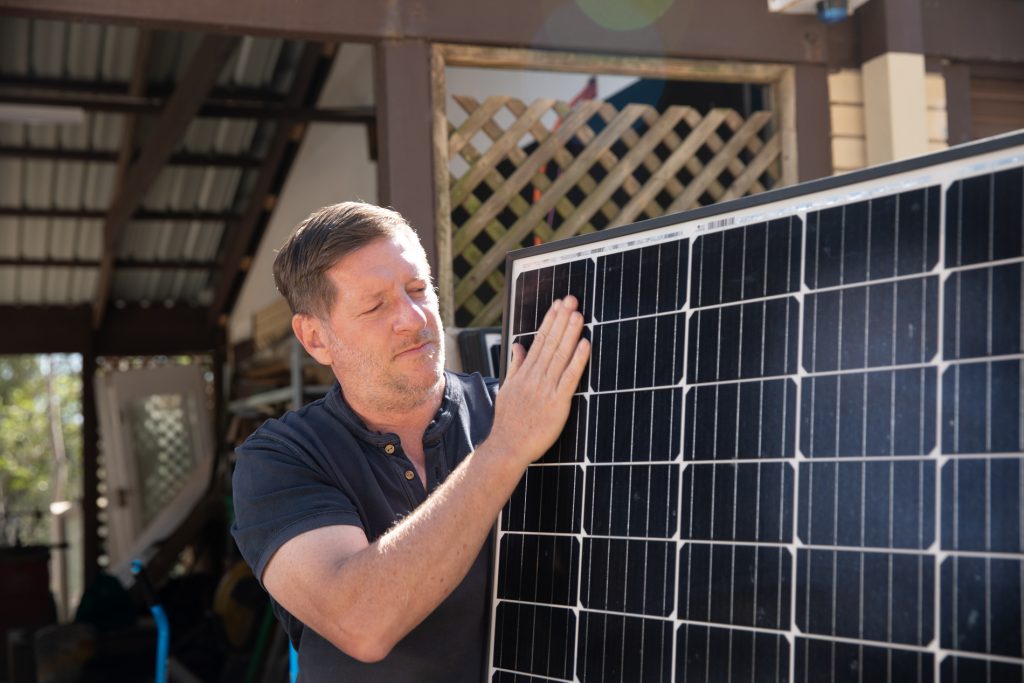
column 918, row 270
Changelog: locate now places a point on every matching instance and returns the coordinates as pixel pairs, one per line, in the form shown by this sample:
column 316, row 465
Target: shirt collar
column 451, row 402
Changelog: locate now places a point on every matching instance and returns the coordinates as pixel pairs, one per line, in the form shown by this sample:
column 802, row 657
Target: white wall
column 332, row 165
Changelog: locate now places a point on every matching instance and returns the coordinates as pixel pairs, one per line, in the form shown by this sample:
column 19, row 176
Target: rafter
column 141, row 105
column 157, row 90
column 125, row 264
column 194, row 85
column 140, row 215
column 238, row 240
column 106, row 157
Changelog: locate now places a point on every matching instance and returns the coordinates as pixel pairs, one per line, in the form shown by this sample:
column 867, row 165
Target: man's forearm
column 384, row 591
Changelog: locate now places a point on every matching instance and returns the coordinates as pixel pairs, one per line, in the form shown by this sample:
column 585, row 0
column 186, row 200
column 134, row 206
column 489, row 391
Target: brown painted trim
column 444, row 276
column 132, row 330
column 890, row 26
column 194, row 85
column 975, row 30
column 405, row 156
column 239, row 240
column 813, row 123
column 725, row 29
column 958, row 102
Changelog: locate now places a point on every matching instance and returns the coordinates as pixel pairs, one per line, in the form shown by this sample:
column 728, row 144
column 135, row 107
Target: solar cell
column 798, row 452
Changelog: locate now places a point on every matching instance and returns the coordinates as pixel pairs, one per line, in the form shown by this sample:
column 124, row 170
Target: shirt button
column 390, row 449
column 410, row 475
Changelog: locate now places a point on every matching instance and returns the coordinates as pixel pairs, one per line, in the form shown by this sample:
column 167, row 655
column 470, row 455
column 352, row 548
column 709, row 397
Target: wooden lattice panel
column 599, row 167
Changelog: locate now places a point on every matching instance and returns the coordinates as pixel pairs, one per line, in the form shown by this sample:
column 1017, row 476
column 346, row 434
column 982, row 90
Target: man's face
column 384, row 332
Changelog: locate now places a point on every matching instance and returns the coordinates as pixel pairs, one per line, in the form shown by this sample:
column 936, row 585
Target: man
column 365, row 514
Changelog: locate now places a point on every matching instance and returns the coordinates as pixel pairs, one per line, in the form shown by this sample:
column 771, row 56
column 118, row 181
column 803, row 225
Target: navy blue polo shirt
column 320, row 466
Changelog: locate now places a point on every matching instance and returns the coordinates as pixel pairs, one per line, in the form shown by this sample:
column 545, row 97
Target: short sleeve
column 279, row 493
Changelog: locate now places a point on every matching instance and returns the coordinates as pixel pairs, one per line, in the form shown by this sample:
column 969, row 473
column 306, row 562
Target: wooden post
column 814, row 154
column 405, row 159
column 90, row 464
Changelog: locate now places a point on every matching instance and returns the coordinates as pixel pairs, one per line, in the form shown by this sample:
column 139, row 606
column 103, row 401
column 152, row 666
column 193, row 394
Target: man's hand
column 534, row 401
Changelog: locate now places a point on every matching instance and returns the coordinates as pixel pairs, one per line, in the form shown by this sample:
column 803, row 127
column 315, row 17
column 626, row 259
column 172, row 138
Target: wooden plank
column 697, row 186
column 511, row 138
column 490, row 314
column 768, row 154
column 671, row 167
column 611, row 182
column 678, row 69
column 784, row 95
column 583, row 162
column 196, row 80
column 479, row 114
column 443, row 275
column 522, row 175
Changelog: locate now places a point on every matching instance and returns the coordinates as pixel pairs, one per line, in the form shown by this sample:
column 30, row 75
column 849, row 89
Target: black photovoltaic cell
column 798, row 453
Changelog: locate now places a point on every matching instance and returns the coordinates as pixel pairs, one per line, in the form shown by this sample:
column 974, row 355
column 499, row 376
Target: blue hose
column 163, row 642
column 293, row 663
column 163, row 627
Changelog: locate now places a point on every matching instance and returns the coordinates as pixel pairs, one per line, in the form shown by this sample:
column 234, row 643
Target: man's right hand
column 533, row 403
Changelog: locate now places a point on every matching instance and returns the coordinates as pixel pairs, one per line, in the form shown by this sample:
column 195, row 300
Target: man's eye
column 375, row 308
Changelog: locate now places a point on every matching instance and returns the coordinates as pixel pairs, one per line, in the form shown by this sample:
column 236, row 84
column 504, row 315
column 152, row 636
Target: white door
column 158, row 452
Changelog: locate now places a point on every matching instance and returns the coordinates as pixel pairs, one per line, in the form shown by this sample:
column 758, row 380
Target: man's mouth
column 416, row 348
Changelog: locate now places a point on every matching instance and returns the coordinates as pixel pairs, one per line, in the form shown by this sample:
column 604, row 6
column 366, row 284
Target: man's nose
column 410, row 315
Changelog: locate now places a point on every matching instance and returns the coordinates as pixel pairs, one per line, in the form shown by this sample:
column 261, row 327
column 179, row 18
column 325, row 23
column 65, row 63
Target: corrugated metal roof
column 105, row 55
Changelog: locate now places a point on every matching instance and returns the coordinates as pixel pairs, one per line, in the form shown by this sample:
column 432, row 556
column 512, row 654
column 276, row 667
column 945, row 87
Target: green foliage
column 27, row 454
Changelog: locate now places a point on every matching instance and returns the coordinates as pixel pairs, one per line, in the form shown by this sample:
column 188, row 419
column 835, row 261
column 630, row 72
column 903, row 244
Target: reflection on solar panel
column 798, row 452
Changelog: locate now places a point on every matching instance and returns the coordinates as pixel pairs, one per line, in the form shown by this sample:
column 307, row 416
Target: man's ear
column 311, row 334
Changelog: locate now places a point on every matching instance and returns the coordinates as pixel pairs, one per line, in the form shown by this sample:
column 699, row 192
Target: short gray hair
column 320, row 241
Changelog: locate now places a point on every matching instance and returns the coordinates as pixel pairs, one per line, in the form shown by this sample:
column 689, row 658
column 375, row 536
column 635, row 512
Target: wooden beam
column 140, row 215
column 405, row 136
column 238, row 242
column 890, row 26
column 105, row 157
column 958, row 102
column 727, row 29
column 141, row 105
column 127, row 264
column 813, row 127
column 158, row 90
column 193, row 87
column 132, row 330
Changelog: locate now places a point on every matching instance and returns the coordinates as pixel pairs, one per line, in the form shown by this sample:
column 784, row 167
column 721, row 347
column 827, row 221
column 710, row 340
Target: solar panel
column 798, row 451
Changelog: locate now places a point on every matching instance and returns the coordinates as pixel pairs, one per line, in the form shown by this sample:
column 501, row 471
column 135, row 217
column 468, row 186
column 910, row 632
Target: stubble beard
column 385, row 388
